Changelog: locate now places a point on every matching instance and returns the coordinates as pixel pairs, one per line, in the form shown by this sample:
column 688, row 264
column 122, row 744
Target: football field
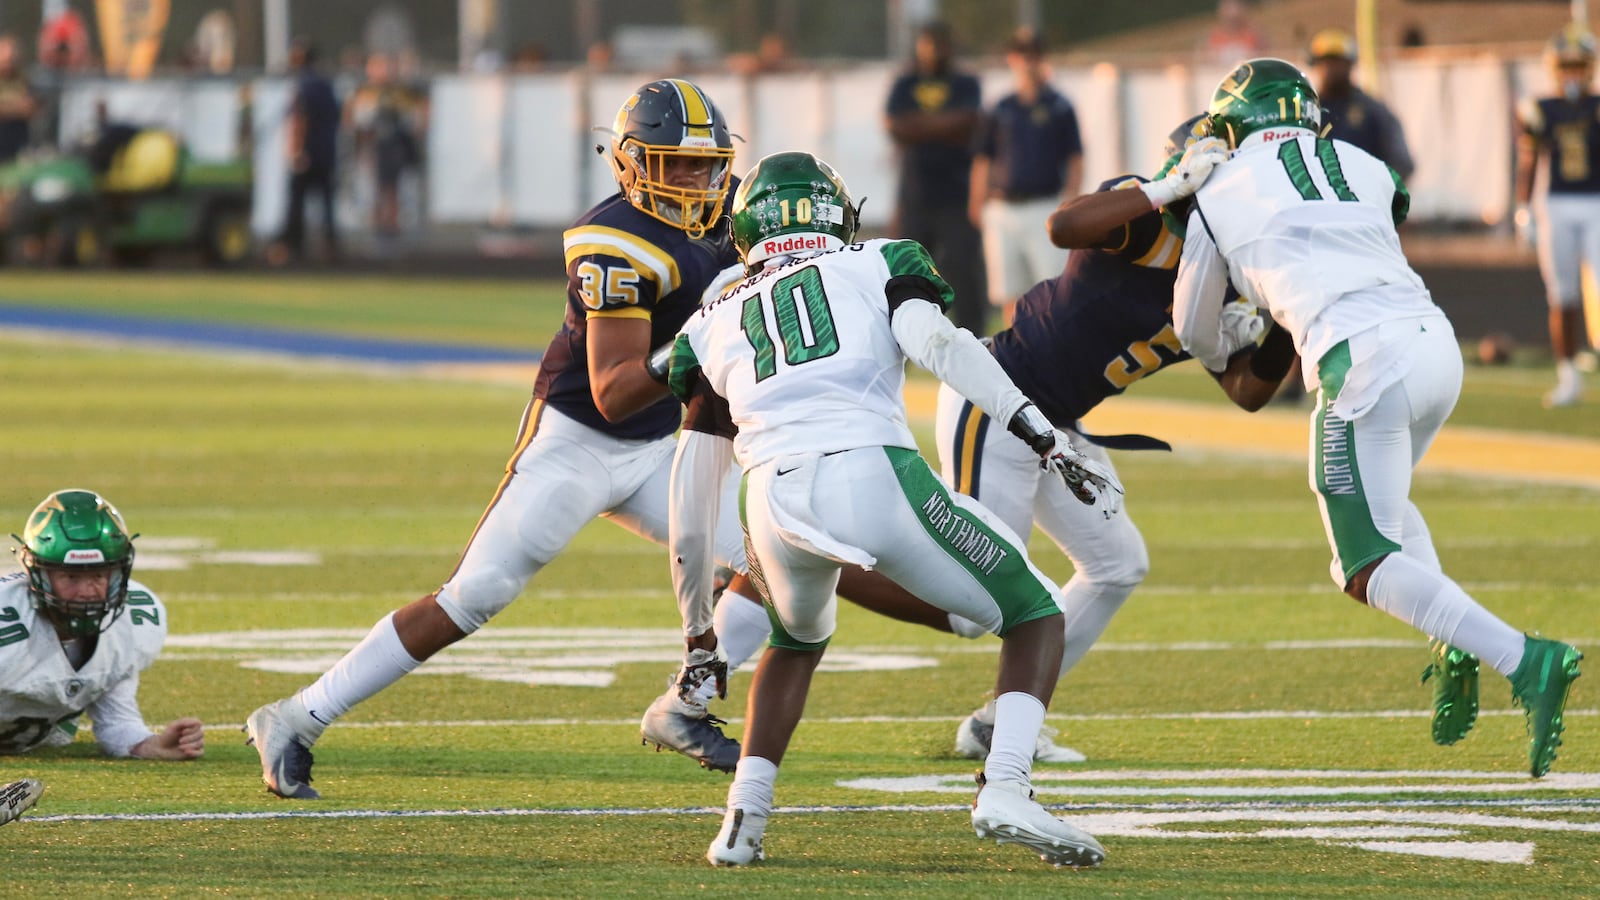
column 1250, row 730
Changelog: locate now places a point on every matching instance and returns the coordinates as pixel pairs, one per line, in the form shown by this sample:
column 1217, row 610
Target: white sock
column 1086, row 613
column 1017, row 719
column 742, row 627
column 1567, row 371
column 753, row 780
column 372, row 665
column 1433, row 604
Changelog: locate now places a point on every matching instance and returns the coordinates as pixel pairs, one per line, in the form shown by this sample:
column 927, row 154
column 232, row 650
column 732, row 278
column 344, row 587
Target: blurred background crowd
column 366, row 131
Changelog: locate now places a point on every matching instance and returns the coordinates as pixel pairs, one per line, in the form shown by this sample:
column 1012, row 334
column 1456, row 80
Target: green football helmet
column 790, row 203
column 1261, row 94
column 77, row 531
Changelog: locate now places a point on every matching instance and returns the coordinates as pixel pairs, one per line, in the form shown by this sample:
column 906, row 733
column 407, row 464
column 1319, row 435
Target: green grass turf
column 382, row 477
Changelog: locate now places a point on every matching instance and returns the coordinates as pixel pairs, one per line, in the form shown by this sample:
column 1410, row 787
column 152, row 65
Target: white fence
column 519, row 150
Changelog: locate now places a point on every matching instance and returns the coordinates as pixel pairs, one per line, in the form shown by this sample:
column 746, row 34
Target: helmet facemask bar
column 642, row 171
column 76, row 617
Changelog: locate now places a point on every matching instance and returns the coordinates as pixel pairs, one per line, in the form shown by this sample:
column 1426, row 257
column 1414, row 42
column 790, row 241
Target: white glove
column 1522, row 221
column 1241, row 326
column 1190, row 172
column 1092, row 483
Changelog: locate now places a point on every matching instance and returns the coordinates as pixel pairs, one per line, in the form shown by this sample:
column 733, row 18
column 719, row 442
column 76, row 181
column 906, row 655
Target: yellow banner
column 130, row 35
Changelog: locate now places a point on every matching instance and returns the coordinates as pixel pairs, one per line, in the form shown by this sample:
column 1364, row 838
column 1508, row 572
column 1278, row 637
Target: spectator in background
column 932, row 117
column 387, row 117
column 600, row 57
column 530, row 57
column 1564, row 132
column 772, row 56
column 1029, row 159
column 17, row 104
column 313, row 135
column 1353, row 115
column 1233, row 36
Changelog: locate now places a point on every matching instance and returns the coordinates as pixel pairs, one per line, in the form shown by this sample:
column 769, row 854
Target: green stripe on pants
column 1337, row 477
column 999, row 566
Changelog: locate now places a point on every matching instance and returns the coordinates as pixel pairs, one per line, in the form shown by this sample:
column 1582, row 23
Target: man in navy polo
column 1029, row 159
column 932, row 117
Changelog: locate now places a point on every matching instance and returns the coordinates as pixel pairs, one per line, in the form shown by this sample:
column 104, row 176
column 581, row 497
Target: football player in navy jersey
column 1563, row 131
column 597, row 437
column 1078, row 339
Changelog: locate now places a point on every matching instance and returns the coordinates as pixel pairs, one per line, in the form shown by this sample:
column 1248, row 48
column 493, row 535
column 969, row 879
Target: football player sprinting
column 1305, row 228
column 75, row 632
column 1564, row 132
column 809, row 353
column 596, row 440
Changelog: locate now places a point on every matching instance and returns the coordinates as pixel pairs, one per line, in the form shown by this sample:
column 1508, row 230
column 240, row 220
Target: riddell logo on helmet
column 1270, row 135
column 84, row 556
column 794, row 243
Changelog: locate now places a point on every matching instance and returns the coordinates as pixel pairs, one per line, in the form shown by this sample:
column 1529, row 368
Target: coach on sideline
column 1028, row 160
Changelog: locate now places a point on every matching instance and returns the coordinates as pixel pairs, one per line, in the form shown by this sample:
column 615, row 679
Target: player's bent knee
column 1356, row 587
column 472, row 599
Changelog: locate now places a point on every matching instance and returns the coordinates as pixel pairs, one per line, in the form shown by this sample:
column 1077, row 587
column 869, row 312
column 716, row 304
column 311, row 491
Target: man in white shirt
column 1304, row 227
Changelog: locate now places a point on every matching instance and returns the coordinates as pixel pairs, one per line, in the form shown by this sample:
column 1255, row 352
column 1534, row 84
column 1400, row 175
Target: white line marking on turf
column 1265, row 714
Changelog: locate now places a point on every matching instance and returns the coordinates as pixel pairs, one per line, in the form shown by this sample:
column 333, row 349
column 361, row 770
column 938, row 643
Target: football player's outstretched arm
column 699, row 468
column 929, row 339
column 1092, row 219
column 120, row 730
column 617, row 348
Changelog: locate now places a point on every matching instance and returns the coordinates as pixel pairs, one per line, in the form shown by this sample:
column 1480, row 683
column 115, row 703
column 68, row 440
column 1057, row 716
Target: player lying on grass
column 1305, row 228
column 76, row 631
column 809, row 353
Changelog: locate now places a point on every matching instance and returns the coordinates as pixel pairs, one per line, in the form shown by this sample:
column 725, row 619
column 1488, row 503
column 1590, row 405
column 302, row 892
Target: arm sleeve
column 1198, row 296
column 118, row 724
column 929, row 339
column 698, row 468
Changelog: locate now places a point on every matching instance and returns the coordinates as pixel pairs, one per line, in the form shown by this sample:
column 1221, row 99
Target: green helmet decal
column 77, row 531
column 788, row 203
column 1261, row 94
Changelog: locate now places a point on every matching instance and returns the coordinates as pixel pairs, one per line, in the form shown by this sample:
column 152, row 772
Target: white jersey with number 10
column 805, row 354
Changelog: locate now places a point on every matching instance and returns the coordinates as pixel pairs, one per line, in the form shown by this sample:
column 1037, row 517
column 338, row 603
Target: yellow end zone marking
column 1522, row 456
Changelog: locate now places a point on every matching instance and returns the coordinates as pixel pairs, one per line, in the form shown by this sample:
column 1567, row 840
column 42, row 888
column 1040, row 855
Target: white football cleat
column 674, row 724
column 1007, row 812
column 285, row 754
column 974, row 735
column 739, row 841
column 18, row 797
column 1566, row 393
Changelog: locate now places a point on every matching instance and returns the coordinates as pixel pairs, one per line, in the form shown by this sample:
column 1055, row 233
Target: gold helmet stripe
column 696, row 109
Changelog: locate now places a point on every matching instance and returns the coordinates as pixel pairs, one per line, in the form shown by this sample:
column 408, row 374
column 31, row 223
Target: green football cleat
column 1540, row 687
column 1455, row 692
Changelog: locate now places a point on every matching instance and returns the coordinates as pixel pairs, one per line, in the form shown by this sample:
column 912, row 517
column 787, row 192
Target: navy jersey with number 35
column 622, row 263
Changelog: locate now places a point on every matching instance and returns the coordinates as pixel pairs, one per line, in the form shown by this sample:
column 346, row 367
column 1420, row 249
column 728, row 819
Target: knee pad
column 471, row 599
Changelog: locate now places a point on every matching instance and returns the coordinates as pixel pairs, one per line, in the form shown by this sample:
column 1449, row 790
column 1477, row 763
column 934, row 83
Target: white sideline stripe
column 899, row 720
column 1272, row 810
